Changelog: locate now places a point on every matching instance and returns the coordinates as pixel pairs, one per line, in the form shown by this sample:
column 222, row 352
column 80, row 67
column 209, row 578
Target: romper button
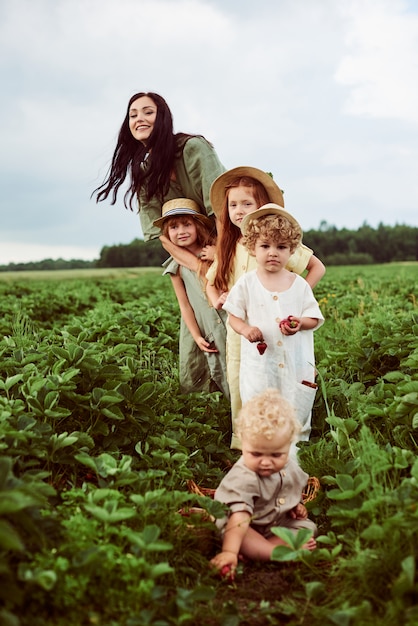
column 281, row 364
column 280, row 343
column 275, row 297
column 278, row 320
column 282, row 500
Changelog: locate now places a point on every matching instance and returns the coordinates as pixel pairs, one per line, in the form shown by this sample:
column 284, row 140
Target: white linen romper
column 288, row 360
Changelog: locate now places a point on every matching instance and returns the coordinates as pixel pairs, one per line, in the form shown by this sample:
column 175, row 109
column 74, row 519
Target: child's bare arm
column 237, row 526
column 188, row 315
column 316, row 270
column 180, row 255
column 216, row 298
column 251, row 333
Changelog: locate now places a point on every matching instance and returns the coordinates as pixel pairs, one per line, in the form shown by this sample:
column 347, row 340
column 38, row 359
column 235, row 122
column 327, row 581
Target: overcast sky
column 322, row 93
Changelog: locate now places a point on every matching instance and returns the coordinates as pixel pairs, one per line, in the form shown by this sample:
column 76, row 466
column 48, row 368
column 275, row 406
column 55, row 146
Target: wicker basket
column 200, row 491
column 311, row 489
column 309, row 493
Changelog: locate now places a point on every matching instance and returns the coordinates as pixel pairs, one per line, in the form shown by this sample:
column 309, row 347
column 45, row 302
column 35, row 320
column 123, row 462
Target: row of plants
column 98, row 445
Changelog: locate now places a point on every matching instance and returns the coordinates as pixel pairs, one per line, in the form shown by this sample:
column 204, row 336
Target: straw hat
column 269, row 209
column 181, row 206
column 219, row 185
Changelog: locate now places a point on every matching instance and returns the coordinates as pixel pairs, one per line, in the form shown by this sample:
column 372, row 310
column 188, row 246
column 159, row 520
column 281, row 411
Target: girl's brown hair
column 229, row 234
column 205, row 236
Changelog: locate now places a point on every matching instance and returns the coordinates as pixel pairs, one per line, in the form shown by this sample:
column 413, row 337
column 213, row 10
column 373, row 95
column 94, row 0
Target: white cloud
column 22, row 253
column 381, row 63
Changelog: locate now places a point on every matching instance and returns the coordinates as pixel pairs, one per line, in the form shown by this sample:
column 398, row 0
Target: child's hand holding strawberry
column 290, row 325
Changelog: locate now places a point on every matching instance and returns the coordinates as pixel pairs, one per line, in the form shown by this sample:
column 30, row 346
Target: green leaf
column 160, row 569
column 109, row 516
column 374, row 532
column 293, row 540
column 143, row 393
column 394, row 377
column 5, row 470
column 409, row 399
column 113, row 413
column 408, row 568
column 9, row 537
column 51, row 399
column 410, row 386
column 46, row 579
column 107, row 397
column 7, row 384
column 375, row 411
column 13, row 501
column 63, row 440
column 86, row 459
column 284, row 553
column 58, row 413
column 345, row 481
column 60, row 352
column 313, row 589
column 151, row 533
column 404, row 583
column 414, row 470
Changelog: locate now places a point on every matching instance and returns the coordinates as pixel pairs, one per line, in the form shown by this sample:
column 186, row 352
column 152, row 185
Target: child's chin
column 266, row 472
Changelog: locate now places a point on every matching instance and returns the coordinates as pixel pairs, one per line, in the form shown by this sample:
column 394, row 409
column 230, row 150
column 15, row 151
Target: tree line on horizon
column 364, row 246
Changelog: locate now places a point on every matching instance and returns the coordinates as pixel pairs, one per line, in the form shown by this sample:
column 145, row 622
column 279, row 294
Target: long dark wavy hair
column 162, row 148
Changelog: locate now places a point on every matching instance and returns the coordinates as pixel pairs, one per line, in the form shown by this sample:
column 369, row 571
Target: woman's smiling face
column 142, row 116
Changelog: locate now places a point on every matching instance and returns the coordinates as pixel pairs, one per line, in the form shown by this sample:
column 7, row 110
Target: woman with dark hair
column 161, row 165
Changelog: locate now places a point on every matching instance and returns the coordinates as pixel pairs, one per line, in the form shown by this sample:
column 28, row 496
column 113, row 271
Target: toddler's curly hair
column 275, row 227
column 265, row 414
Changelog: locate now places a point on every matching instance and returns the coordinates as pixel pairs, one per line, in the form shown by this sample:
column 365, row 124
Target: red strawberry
column 288, row 322
column 291, row 322
column 261, row 347
column 227, row 572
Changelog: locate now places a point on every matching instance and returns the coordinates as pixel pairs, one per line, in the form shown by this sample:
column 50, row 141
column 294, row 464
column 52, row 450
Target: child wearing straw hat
column 276, row 313
column 233, row 195
column 202, row 365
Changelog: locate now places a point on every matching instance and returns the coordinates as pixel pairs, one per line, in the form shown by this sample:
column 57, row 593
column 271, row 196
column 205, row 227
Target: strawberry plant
column 98, row 446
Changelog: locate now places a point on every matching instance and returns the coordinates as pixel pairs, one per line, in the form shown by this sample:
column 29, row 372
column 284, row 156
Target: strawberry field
column 97, row 448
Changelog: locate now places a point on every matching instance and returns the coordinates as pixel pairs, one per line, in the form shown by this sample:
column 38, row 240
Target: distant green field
column 123, row 272
column 388, row 269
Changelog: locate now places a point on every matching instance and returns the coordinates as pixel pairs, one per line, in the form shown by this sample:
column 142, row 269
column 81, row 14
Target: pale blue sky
column 322, row 93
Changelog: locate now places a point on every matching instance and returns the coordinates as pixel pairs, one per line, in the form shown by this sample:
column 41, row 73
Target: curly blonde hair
column 275, row 227
column 265, row 414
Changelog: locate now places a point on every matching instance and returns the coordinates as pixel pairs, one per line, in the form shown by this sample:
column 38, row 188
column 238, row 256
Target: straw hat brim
column 219, row 185
column 181, row 206
column 268, row 209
